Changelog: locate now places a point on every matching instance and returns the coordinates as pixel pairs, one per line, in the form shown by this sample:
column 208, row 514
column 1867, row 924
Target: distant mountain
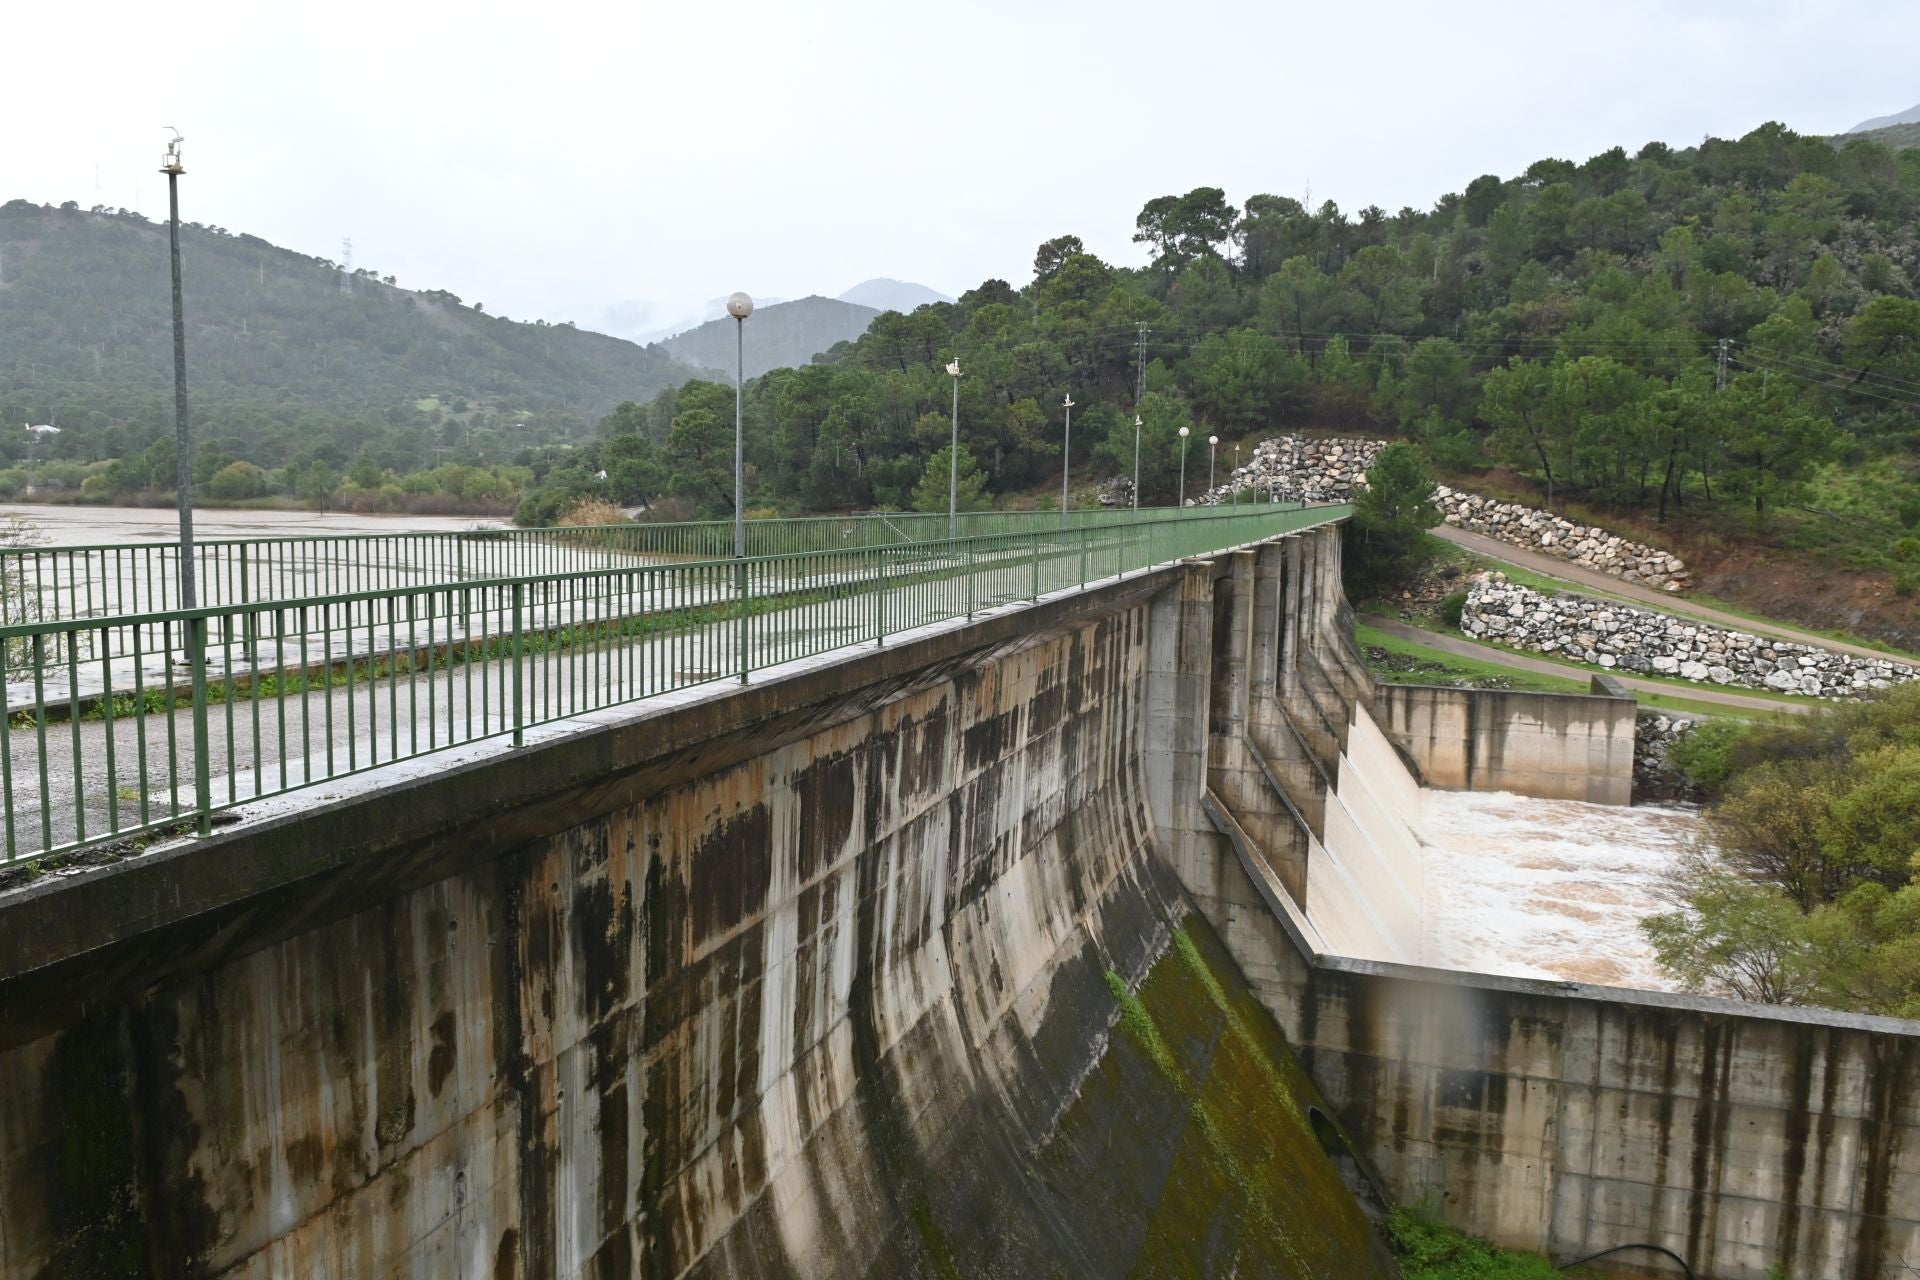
column 640, row 321
column 275, row 340
column 779, row 336
column 892, row 295
column 1910, row 116
column 1893, row 135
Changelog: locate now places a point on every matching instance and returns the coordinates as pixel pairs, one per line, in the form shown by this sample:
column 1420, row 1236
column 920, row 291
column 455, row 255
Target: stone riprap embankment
column 1298, row 469
column 1619, row 637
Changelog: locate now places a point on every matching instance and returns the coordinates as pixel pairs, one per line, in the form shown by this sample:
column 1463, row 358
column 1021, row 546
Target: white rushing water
column 1547, row 888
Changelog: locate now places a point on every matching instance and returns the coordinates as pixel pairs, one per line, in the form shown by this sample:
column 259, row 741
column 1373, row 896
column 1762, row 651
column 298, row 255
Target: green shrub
column 1906, row 548
column 1705, row 753
column 1453, row 608
column 1906, row 584
column 1431, row 1250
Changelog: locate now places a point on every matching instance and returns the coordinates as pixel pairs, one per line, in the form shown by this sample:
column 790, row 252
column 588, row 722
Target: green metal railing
column 113, row 732
column 63, row 583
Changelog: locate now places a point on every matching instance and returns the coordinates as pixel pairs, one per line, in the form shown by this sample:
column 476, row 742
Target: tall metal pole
column 1139, row 394
column 739, row 436
column 1181, row 501
column 739, row 306
column 182, row 431
column 953, row 458
column 196, row 628
column 1066, row 457
column 1136, row 462
column 1213, row 449
column 1236, row 472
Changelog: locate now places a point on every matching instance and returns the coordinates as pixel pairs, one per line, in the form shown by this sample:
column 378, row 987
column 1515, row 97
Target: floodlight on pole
column 1066, row 457
column 1136, row 462
column 1182, row 501
column 1213, row 448
column 739, row 306
column 953, row 456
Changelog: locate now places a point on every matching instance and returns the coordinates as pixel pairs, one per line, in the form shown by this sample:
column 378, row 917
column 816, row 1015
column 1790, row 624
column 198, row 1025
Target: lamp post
column 739, row 306
column 1213, row 450
column 1066, row 457
column 1182, row 500
column 1236, row 475
column 196, row 628
column 953, row 457
column 1136, row 462
column 183, row 433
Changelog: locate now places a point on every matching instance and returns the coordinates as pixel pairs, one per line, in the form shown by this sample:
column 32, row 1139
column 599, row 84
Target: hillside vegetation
column 291, row 359
column 1565, row 325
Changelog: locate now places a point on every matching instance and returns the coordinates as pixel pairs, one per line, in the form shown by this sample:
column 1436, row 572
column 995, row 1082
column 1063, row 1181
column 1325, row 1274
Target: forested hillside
column 1566, row 324
column 291, row 359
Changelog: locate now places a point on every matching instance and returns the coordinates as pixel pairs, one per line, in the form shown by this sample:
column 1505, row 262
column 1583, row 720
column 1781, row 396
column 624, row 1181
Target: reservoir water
column 64, row 526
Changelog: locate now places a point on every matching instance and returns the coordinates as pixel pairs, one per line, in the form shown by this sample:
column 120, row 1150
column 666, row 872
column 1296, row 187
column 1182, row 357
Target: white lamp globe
column 1183, row 433
column 1213, row 439
column 739, row 306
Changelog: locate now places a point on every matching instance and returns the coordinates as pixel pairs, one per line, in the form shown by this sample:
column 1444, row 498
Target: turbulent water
column 1547, row 888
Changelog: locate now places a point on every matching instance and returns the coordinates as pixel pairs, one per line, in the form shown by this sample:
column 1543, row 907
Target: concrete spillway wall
column 866, row 971
column 1556, row 746
column 1556, row 1117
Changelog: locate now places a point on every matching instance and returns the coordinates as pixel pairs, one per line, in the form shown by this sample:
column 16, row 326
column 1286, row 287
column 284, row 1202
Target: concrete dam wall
column 868, row 970
column 978, row 955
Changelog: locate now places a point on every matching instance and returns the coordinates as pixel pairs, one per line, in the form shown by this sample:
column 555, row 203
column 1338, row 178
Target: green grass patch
column 1421, row 665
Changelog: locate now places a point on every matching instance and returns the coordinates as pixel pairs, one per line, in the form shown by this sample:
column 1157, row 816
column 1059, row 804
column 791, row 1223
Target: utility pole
column 1720, row 372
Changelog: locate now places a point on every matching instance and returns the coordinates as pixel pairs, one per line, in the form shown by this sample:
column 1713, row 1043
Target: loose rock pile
column 1585, row 545
column 1296, row 469
column 1619, row 637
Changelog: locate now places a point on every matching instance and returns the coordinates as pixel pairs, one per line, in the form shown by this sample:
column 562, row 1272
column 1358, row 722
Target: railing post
column 880, row 601
column 740, row 590
column 969, row 554
column 519, row 650
column 202, row 778
column 1083, row 556
column 1036, row 564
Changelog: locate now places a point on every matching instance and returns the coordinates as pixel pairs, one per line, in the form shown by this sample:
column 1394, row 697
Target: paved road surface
column 1540, row 666
column 1665, row 601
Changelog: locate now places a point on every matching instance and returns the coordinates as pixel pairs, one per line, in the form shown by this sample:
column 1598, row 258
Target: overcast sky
column 557, row 159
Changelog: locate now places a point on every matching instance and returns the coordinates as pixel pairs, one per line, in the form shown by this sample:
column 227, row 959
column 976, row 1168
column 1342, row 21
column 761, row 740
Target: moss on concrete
column 1248, row 1190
